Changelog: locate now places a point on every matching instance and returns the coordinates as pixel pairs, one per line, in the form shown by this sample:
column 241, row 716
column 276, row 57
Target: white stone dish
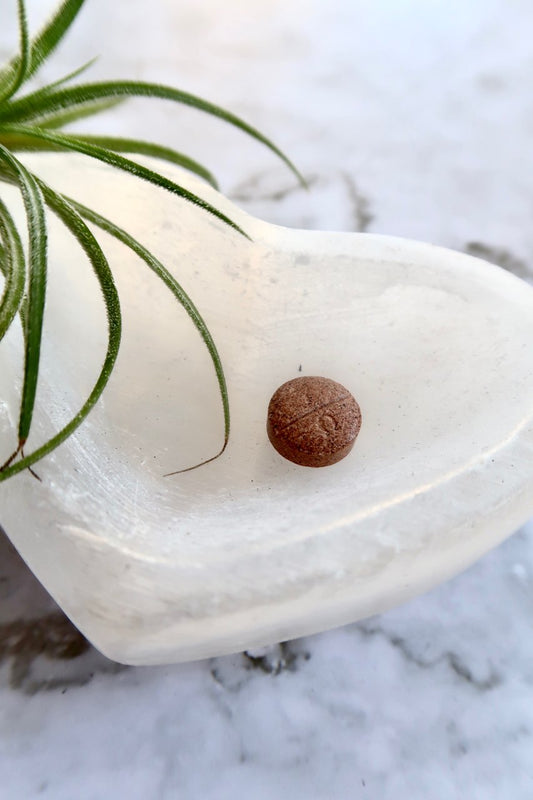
column 436, row 346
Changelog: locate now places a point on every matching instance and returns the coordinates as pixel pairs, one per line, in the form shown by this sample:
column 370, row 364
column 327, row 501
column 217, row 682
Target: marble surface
column 411, row 119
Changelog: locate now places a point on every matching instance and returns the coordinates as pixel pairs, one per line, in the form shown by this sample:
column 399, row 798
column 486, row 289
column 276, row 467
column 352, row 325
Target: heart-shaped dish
column 436, row 346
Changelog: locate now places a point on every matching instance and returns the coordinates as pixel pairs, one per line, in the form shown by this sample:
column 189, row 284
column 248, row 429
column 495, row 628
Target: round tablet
column 313, row 421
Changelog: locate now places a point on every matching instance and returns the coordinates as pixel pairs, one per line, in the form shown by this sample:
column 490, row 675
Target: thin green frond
column 15, row 74
column 66, row 117
column 21, row 143
column 41, row 102
column 179, row 293
column 13, row 266
column 79, row 229
column 23, row 309
column 70, row 76
column 37, row 263
column 125, row 164
column 52, row 33
column 46, row 40
column 122, row 145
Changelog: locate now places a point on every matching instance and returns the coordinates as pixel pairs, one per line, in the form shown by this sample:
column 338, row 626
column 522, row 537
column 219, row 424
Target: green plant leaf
column 37, row 263
column 179, row 293
column 14, row 76
column 24, row 304
column 48, row 38
column 41, row 102
column 79, row 229
column 53, row 32
column 79, row 112
column 68, row 116
column 122, row 145
column 71, row 75
column 117, row 144
column 68, row 142
column 13, row 266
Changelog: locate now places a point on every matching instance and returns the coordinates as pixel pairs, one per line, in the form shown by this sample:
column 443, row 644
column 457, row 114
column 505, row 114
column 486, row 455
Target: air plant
column 34, row 121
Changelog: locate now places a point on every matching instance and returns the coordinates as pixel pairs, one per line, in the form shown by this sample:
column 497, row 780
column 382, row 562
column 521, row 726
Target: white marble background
column 410, row 117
